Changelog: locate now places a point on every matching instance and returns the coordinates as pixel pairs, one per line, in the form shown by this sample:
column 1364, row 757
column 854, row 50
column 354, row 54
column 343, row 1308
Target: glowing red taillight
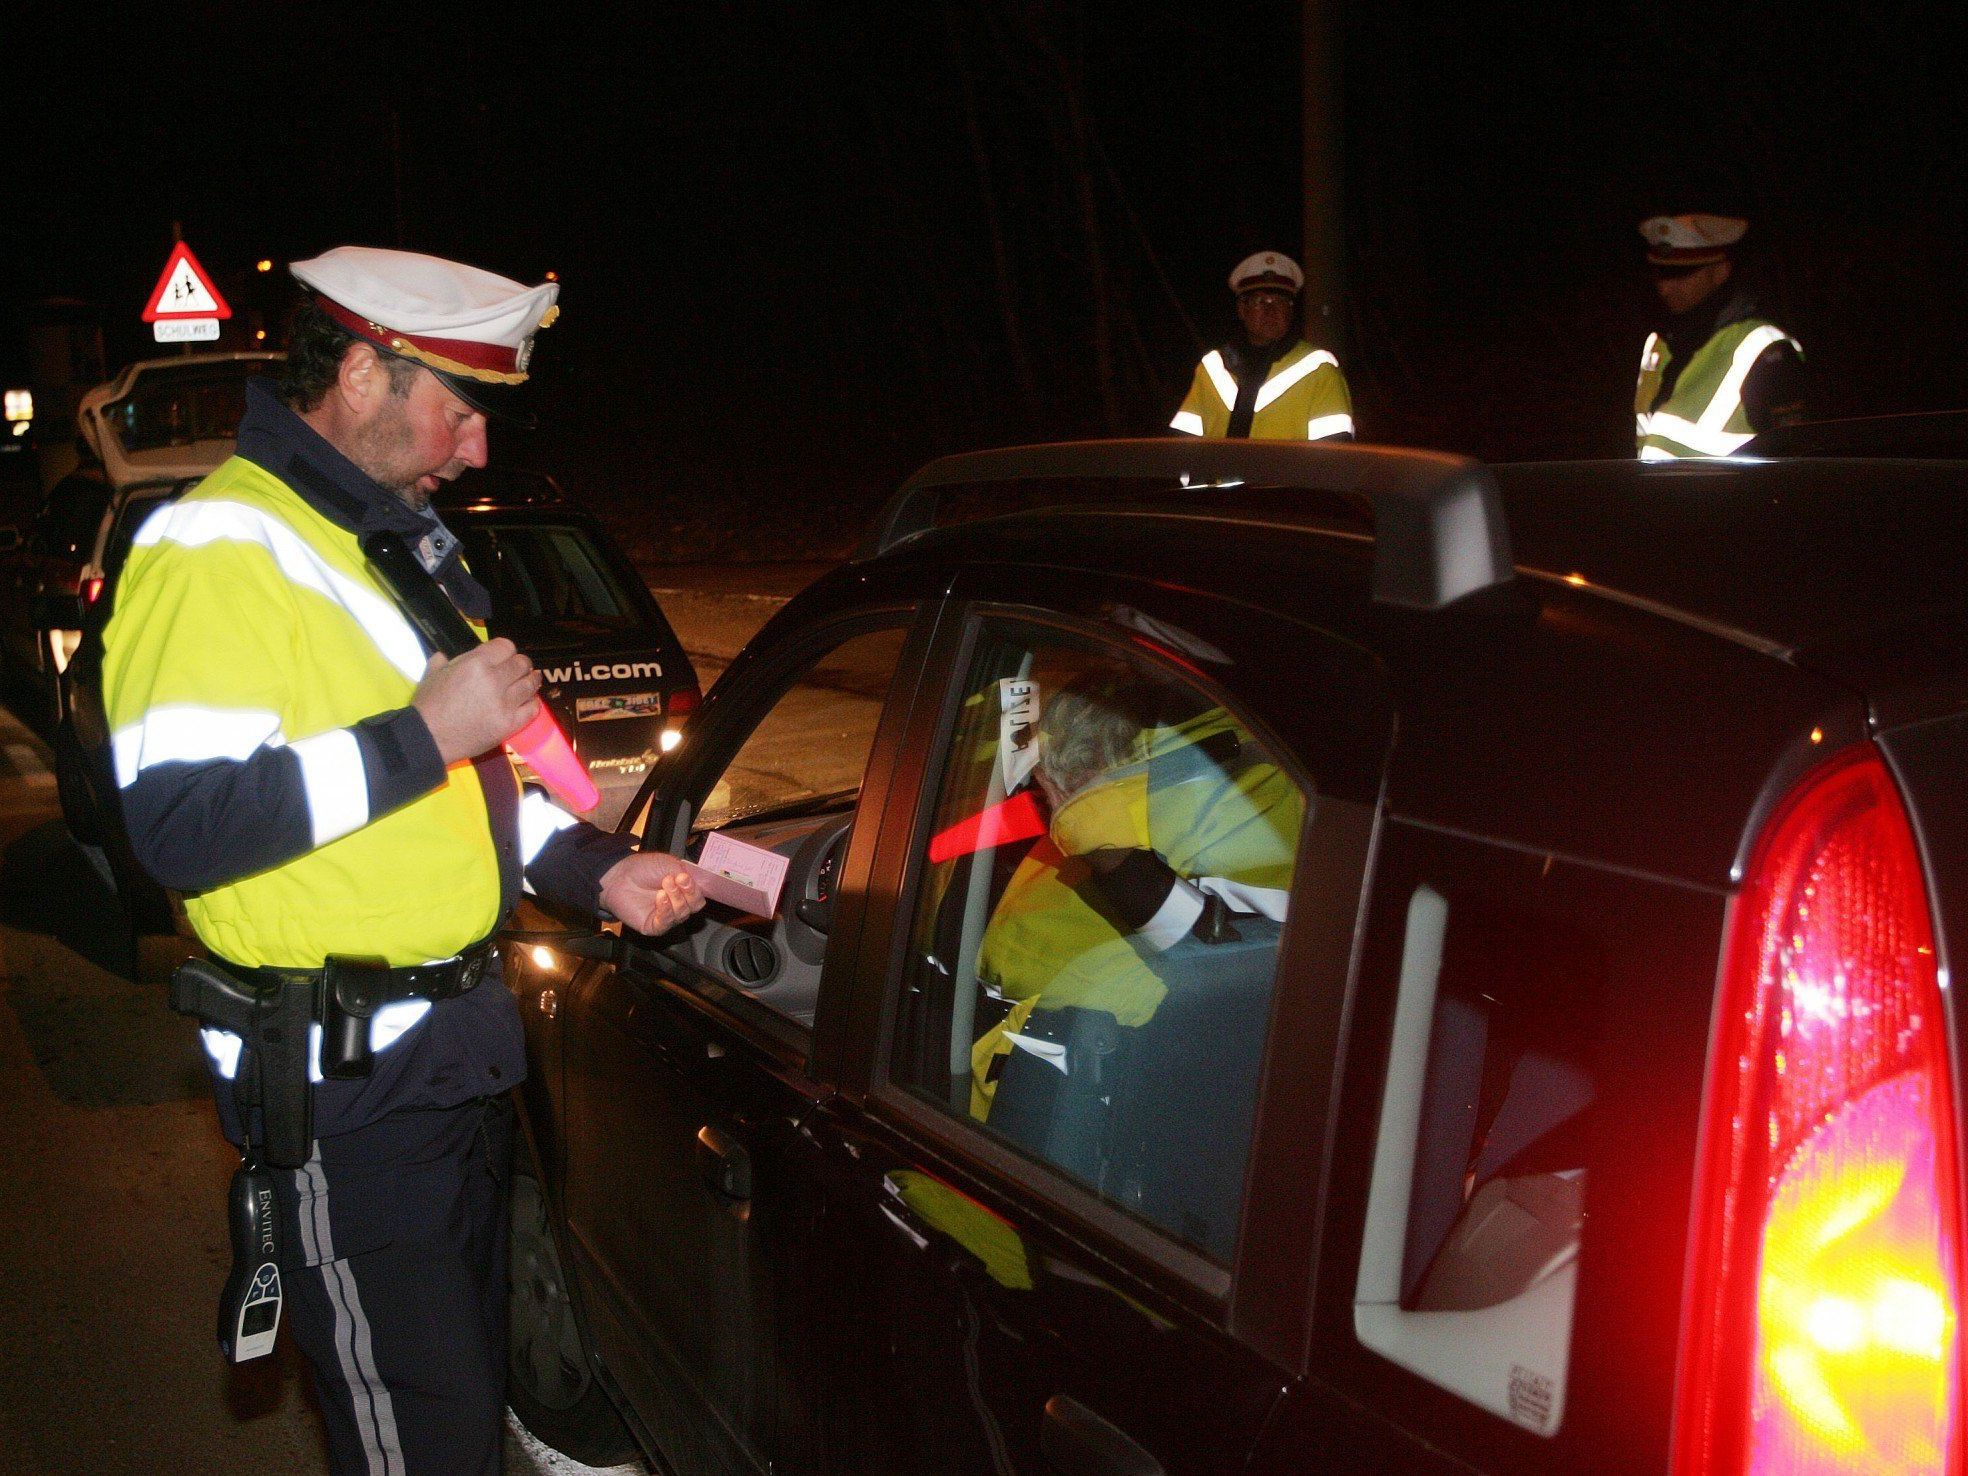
column 684, row 701
column 1823, row 1326
column 92, row 590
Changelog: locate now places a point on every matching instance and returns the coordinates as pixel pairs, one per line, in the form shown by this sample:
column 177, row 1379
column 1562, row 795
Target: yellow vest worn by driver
column 1232, row 822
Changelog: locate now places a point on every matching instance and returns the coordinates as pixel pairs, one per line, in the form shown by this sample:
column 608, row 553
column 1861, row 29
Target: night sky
column 807, row 246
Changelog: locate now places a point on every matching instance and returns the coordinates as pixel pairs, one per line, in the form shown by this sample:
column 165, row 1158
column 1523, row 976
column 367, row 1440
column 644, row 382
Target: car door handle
column 1077, row 1442
column 726, row 1167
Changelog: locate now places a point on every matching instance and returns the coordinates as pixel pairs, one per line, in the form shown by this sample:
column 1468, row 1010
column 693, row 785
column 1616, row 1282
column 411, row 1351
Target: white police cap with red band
column 1690, row 240
column 1272, row 269
column 474, row 327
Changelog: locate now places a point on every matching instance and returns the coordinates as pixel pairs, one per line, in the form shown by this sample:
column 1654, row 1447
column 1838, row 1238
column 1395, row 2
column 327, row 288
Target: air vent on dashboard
column 750, row 960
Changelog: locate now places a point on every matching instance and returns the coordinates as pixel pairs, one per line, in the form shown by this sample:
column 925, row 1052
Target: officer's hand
column 650, row 892
column 476, row 702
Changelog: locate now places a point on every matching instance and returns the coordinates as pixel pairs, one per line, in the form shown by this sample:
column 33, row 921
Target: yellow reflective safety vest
column 1045, row 945
column 1704, row 416
column 1304, row 398
column 245, row 618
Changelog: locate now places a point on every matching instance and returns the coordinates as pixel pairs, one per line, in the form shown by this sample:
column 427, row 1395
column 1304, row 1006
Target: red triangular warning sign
column 184, row 291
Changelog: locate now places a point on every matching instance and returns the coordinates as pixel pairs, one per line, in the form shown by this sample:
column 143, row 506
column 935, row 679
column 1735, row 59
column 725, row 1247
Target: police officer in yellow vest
column 1717, row 372
column 1267, row 383
column 321, row 787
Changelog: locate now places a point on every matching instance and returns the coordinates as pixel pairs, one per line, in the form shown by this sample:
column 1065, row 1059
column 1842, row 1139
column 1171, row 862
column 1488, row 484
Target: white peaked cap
column 468, row 324
column 1689, row 240
column 1266, row 269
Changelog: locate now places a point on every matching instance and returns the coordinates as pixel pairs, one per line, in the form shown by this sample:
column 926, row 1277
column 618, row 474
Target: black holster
column 272, row 1020
column 352, row 989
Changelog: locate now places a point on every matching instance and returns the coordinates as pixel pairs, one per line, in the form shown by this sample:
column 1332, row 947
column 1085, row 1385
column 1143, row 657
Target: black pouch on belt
column 353, row 989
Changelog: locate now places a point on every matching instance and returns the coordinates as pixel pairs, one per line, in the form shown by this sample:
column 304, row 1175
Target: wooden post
column 1324, row 249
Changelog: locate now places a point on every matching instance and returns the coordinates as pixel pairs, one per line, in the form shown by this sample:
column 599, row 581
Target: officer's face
column 1266, row 315
column 1682, row 292
column 414, row 442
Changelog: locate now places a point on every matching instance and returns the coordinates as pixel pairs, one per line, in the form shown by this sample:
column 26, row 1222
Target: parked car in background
column 613, row 670
column 616, row 675
column 1286, row 958
column 162, row 420
column 157, row 423
column 43, row 558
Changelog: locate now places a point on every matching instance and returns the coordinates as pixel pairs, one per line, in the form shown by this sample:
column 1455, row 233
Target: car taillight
column 1823, row 1330
column 92, row 590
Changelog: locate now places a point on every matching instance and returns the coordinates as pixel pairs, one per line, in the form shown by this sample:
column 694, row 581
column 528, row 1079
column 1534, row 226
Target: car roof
column 1783, row 556
column 1801, row 554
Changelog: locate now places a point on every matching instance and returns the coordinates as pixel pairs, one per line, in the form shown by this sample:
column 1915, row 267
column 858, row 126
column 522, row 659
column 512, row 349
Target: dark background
column 805, row 246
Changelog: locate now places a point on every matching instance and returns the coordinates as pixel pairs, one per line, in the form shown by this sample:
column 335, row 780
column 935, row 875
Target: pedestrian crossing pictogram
column 184, row 291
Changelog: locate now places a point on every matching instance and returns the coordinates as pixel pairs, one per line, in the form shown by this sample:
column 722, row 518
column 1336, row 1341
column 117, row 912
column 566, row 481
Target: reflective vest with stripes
column 1705, row 415
column 1303, row 399
column 1045, row 943
column 245, row 619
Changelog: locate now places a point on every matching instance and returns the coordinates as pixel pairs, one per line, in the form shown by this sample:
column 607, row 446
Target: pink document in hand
column 743, row 876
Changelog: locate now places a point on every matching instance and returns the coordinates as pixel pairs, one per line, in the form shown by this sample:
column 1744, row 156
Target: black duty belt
column 273, row 1011
column 373, row 988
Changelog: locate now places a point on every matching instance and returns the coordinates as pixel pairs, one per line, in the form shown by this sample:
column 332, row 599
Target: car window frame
column 674, row 792
column 1275, row 1277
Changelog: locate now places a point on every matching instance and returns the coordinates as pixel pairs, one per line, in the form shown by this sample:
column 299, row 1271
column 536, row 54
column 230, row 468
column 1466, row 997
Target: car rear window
column 1468, row 1271
column 173, row 407
column 547, row 575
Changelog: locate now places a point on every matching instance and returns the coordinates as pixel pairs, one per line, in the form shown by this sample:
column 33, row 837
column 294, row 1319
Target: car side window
column 774, row 825
column 813, row 744
column 1107, row 878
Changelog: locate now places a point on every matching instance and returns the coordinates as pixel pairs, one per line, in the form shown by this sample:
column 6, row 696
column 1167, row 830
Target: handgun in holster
column 272, row 1020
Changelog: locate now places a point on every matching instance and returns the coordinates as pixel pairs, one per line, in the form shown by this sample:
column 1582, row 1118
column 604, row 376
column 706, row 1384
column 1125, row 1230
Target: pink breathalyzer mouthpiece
column 551, row 757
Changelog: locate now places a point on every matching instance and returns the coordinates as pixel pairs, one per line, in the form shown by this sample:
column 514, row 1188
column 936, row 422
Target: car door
column 1062, row 1220
column 688, row 1068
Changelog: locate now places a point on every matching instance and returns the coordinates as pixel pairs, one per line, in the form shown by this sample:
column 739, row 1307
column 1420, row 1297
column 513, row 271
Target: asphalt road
column 112, row 1170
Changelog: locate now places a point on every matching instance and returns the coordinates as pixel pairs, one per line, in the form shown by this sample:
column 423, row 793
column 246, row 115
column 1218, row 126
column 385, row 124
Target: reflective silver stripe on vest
column 540, row 820
column 178, row 733
column 1728, row 395
column 1321, row 426
column 1700, row 440
column 1709, row 436
column 1221, row 377
column 1188, row 422
column 387, row 1026
column 1290, row 375
column 337, row 786
column 195, row 524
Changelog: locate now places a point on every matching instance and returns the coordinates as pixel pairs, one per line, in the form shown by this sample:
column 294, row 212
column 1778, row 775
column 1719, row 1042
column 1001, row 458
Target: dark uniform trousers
column 396, row 1243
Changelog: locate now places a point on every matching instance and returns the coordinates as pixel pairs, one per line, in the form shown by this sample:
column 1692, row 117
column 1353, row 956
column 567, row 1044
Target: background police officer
column 290, row 759
column 1717, row 371
column 1267, row 382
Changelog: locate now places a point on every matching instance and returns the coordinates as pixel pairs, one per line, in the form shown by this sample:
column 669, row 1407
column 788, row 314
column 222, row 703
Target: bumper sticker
column 618, row 705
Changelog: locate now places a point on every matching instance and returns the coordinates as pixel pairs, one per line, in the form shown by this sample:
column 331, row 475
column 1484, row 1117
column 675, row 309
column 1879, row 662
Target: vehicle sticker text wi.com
column 601, row 671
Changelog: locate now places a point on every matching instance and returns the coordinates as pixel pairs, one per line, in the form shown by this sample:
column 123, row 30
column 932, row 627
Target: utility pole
column 1325, row 241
